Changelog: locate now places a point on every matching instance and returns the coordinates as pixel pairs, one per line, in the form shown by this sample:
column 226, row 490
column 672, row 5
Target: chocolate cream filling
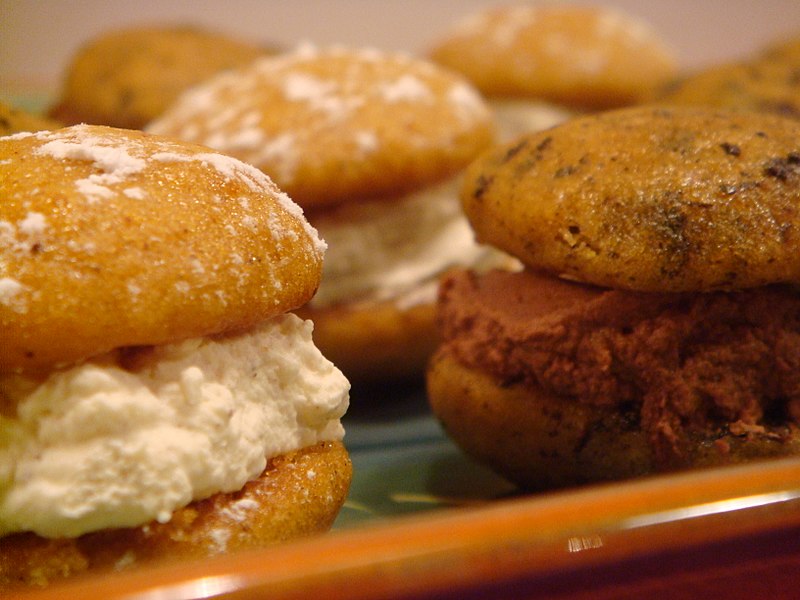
column 693, row 364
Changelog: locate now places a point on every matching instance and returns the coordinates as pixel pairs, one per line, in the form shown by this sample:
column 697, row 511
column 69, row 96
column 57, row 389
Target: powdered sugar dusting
column 108, row 157
column 135, row 193
column 280, row 150
column 119, row 159
column 238, row 511
column 33, row 224
column 506, row 30
column 254, row 178
column 114, row 160
column 406, row 89
column 366, row 141
column 219, row 538
column 468, row 103
column 10, row 294
column 28, row 235
column 626, row 27
column 300, row 86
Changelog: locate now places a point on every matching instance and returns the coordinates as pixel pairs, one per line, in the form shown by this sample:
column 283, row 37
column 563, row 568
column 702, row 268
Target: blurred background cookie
column 767, row 81
column 16, row 120
column 127, row 77
column 372, row 145
column 540, row 64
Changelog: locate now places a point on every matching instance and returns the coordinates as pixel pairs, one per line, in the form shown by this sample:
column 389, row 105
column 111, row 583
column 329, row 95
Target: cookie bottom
column 378, row 342
column 539, row 441
column 298, row 494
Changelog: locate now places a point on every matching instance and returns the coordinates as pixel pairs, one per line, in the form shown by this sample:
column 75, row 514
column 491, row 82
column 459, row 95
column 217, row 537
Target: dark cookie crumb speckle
column 482, row 183
column 565, row 171
column 544, row 144
column 731, row 149
column 514, row 150
column 784, row 168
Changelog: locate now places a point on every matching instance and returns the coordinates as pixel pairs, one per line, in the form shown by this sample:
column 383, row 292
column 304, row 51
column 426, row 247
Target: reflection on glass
column 580, row 543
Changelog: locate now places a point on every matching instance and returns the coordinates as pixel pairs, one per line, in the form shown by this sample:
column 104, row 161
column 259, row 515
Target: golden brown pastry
column 656, row 325
column 767, row 81
column 158, row 398
column 538, row 65
column 371, row 144
column 610, row 199
column 127, row 77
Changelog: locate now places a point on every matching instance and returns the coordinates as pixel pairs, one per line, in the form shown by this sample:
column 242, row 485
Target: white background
column 38, row 37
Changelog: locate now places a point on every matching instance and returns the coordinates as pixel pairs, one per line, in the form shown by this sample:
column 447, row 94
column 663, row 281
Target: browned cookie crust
column 579, row 56
column 112, row 238
column 758, row 86
column 768, row 81
column 338, row 125
column 647, row 198
column 126, row 78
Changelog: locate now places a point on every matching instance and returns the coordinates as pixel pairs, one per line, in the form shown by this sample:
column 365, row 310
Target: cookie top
column 16, row 120
column 767, row 82
column 338, row 124
column 785, row 50
column 648, row 198
column 112, row 238
column 128, row 77
column 585, row 57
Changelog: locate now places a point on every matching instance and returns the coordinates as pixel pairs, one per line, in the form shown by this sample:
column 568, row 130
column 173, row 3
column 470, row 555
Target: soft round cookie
column 230, row 249
column 766, row 82
column 16, row 120
column 299, row 494
column 539, row 440
column 585, row 57
column 786, row 50
column 758, row 85
column 647, row 198
column 337, row 125
column 126, row 78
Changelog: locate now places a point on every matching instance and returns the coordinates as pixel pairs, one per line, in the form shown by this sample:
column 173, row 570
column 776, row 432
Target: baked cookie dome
column 337, row 125
column 764, row 82
column 647, row 198
column 581, row 57
column 230, row 248
column 127, row 77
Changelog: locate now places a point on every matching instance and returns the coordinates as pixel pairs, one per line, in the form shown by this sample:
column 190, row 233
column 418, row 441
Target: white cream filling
column 100, row 446
column 516, row 117
column 395, row 250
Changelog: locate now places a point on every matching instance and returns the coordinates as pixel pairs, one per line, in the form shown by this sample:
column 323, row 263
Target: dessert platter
column 513, row 316
column 731, row 531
